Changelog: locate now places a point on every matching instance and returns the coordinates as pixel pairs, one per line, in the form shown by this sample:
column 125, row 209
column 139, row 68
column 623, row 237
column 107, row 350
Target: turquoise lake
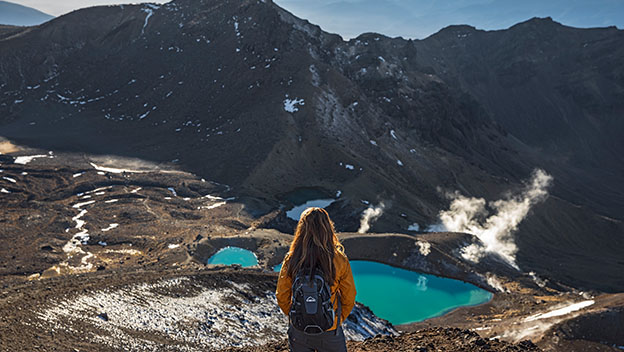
column 402, row 296
column 234, row 255
column 397, row 295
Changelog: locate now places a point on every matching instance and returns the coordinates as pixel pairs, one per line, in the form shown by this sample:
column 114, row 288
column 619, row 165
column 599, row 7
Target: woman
column 316, row 246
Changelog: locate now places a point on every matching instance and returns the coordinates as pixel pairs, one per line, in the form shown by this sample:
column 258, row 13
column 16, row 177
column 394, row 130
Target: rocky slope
column 246, row 94
column 150, row 310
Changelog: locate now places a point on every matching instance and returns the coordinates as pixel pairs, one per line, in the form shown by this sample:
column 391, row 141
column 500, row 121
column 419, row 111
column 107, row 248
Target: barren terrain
column 100, row 253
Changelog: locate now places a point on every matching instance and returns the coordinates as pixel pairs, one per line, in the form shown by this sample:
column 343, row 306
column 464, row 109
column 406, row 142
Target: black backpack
column 311, row 309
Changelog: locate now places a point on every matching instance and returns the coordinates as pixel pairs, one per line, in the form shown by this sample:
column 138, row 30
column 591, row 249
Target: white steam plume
column 369, row 215
column 495, row 232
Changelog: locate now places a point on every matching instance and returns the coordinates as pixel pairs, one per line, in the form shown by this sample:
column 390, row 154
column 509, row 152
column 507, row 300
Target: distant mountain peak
column 19, row 15
column 459, row 30
column 538, row 21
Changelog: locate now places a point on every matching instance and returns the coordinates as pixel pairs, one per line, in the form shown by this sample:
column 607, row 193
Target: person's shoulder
column 286, row 260
column 340, row 256
column 342, row 262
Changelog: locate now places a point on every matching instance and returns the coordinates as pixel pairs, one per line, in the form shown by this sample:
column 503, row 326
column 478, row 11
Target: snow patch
column 115, row 170
column 124, row 251
column 23, row 160
column 9, row 179
column 236, row 29
column 216, row 205
column 72, row 248
column 80, row 223
column 561, row 311
column 98, row 190
column 149, row 12
column 80, row 205
column 144, row 115
column 290, row 105
column 110, row 227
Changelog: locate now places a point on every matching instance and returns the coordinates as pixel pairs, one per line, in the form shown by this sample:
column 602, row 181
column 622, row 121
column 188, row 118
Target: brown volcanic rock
column 129, row 218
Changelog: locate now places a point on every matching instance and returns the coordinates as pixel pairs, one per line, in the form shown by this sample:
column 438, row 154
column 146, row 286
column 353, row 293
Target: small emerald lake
column 397, row 295
column 234, row 255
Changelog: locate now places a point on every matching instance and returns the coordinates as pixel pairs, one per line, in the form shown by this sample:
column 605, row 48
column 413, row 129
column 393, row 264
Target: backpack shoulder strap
column 338, row 312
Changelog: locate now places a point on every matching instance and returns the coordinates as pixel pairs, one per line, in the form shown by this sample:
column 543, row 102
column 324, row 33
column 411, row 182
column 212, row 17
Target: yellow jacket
column 343, row 284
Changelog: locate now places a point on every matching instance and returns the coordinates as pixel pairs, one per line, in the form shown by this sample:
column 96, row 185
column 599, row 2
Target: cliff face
column 245, row 93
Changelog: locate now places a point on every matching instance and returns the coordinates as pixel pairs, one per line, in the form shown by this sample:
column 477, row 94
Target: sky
column 60, row 7
column 414, row 18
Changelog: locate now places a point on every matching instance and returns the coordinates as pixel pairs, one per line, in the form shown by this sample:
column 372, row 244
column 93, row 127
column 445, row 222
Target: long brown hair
column 314, row 245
